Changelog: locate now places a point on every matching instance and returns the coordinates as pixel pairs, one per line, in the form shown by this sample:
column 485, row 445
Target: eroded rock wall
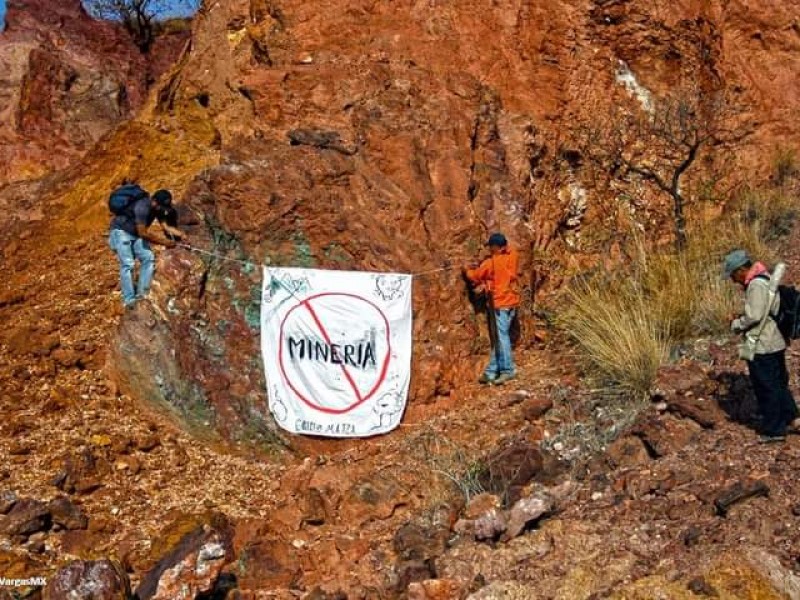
column 366, row 135
column 66, row 80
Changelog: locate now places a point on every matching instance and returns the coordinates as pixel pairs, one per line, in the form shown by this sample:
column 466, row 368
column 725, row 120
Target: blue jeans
column 502, row 361
column 129, row 249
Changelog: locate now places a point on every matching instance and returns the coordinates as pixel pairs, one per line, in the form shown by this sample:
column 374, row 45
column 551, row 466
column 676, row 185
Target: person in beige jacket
column 768, row 373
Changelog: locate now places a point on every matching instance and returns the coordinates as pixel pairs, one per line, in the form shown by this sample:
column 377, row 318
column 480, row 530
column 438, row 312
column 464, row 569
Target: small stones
column 536, row 408
column 130, row 464
column 481, row 504
column 691, row 537
column 66, row 514
column 701, row 587
column 148, row 443
column 7, row 501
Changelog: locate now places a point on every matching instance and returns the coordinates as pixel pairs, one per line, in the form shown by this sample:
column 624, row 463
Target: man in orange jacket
column 498, row 276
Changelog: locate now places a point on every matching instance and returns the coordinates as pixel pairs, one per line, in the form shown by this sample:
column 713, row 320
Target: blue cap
column 735, row 260
column 497, row 239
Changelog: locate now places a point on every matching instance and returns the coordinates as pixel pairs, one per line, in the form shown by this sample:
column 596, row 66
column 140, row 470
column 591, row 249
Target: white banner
column 337, row 350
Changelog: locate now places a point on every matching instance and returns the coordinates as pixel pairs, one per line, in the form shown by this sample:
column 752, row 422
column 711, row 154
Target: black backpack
column 122, row 199
column 788, row 317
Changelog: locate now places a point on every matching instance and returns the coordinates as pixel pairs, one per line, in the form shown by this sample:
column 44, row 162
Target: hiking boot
column 503, row 378
column 771, row 439
column 486, row 379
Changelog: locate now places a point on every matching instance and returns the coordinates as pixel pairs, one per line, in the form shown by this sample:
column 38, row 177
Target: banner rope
column 250, row 263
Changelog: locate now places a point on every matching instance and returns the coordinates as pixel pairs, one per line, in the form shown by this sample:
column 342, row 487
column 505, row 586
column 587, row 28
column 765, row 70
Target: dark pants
column 770, row 381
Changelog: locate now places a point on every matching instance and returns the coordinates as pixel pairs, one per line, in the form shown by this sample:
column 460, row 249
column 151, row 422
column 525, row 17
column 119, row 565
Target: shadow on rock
column 735, row 396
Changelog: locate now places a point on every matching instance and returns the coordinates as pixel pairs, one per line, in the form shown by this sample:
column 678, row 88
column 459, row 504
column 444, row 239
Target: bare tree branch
column 139, row 17
column 661, row 142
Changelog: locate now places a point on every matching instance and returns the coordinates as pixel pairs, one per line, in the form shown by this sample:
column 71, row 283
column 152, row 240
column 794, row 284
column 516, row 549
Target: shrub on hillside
column 618, row 334
column 628, row 321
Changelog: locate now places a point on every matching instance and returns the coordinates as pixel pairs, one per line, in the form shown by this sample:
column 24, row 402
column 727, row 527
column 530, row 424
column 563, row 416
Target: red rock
column 679, row 380
column 705, row 413
column 515, row 398
column 266, row 559
column 513, row 464
column 192, row 563
column 269, row 563
column 536, row 408
column 527, row 511
column 373, row 498
column 319, row 594
column 27, row 516
column 94, row 579
column 148, row 443
column 664, row 434
column 490, row 525
column 75, row 79
column 436, row 589
column 66, row 358
column 420, row 541
column 82, row 543
column 100, row 525
column 738, row 492
column 412, row 570
column 627, row 452
column 315, row 512
column 480, row 504
column 7, row 501
column 82, row 472
column 66, row 514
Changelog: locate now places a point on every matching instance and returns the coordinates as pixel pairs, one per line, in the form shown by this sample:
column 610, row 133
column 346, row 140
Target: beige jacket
column 755, row 305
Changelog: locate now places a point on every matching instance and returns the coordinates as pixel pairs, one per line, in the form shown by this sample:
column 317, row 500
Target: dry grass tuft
column 627, row 322
column 618, row 334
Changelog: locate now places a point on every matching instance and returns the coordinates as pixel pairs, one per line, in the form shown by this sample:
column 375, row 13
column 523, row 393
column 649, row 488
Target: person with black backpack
column 130, row 237
column 764, row 344
column 167, row 215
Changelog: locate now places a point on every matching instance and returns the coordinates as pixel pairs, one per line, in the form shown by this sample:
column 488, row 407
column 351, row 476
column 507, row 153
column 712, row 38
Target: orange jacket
column 499, row 274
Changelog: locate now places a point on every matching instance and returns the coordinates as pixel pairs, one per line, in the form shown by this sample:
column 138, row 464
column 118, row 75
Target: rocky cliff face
column 66, row 80
column 377, row 135
column 396, row 136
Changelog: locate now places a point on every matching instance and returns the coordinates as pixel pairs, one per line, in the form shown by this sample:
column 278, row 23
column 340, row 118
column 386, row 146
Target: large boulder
column 82, row 472
column 192, row 563
column 513, row 464
column 27, row 516
column 88, row 580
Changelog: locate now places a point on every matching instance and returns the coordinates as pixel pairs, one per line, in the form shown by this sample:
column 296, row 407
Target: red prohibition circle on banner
column 359, row 399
